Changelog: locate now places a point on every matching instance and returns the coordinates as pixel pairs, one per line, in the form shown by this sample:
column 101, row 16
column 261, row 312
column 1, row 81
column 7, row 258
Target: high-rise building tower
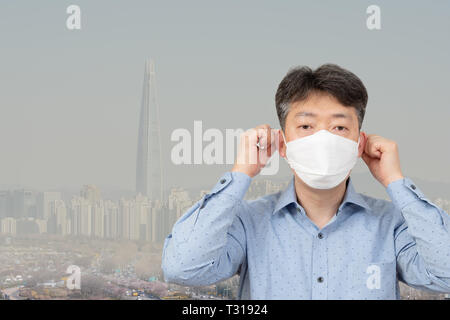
column 148, row 162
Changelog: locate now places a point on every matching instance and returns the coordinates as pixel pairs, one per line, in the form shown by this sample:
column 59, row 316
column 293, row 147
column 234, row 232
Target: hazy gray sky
column 70, row 100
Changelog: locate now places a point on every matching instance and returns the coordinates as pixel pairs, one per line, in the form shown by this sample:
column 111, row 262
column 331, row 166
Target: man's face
column 318, row 112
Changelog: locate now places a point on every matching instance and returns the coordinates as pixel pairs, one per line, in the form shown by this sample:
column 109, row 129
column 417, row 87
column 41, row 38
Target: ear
column 362, row 143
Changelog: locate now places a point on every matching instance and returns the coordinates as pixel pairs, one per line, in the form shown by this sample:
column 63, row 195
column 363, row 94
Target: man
column 319, row 238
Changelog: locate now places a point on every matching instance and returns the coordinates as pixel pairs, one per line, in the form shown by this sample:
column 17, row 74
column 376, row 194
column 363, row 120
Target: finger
column 267, row 143
column 375, row 153
column 243, row 146
column 262, row 130
column 372, row 148
column 247, row 147
column 368, row 159
column 252, row 146
column 264, row 146
column 264, row 137
column 274, row 136
column 252, row 135
column 274, row 140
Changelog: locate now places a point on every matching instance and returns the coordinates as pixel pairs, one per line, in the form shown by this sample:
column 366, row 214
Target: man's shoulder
column 263, row 205
column 382, row 209
column 377, row 204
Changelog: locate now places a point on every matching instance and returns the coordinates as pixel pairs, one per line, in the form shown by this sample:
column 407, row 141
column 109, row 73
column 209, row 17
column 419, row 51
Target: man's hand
column 251, row 158
column 381, row 156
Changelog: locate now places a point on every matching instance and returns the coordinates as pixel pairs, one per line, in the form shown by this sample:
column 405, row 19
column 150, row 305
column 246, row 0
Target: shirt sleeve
column 422, row 238
column 208, row 243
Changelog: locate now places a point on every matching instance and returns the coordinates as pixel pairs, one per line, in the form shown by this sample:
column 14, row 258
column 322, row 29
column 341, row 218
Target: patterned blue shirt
column 279, row 253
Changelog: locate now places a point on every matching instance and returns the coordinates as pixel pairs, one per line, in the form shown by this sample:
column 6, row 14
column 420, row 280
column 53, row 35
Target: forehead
column 320, row 106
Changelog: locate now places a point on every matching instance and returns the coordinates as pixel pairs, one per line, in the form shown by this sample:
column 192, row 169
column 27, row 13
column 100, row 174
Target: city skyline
column 88, row 214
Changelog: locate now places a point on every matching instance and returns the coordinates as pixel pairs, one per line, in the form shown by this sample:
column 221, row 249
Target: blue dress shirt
column 280, row 253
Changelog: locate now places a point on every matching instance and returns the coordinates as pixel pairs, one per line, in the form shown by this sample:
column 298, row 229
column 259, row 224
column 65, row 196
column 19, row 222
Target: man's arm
column 208, row 242
column 422, row 241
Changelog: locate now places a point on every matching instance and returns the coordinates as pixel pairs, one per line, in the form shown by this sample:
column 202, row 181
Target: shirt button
column 413, row 187
column 320, row 279
column 320, row 235
column 222, row 181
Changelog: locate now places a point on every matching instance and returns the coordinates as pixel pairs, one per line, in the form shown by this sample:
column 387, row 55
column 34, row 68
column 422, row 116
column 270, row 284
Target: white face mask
column 322, row 160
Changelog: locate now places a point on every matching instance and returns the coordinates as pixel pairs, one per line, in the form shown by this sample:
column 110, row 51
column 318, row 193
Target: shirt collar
column 289, row 196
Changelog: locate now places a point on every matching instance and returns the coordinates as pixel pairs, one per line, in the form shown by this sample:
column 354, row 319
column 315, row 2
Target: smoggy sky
column 70, row 100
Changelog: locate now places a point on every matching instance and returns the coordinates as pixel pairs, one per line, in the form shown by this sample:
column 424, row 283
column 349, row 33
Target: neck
column 320, row 204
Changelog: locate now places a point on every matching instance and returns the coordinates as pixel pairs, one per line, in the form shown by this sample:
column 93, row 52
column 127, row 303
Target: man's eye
column 305, row 126
column 341, row 128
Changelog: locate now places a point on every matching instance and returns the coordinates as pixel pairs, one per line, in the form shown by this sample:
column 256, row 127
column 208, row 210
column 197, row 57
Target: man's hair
column 330, row 79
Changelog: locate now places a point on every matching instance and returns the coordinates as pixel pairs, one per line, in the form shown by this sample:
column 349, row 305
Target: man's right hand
column 251, row 159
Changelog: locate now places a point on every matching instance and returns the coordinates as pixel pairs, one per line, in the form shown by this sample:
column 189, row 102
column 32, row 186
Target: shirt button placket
column 320, row 267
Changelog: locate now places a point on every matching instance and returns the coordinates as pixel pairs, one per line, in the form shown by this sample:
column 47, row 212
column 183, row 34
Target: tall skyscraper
column 149, row 162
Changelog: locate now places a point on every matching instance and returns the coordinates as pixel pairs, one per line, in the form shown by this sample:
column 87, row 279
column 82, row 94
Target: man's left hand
column 381, row 156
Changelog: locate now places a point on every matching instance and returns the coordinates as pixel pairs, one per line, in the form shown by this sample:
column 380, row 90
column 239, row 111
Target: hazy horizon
column 70, row 99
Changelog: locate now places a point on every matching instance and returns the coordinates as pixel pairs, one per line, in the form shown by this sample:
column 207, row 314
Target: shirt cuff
column 234, row 184
column 403, row 192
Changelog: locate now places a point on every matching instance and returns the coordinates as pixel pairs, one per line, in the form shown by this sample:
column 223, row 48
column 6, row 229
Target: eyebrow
column 310, row 114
